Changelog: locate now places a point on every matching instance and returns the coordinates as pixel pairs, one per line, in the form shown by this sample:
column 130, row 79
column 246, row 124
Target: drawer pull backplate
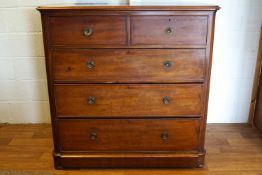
column 168, row 64
column 169, row 31
column 88, row 31
column 93, row 135
column 166, row 100
column 91, row 100
column 90, row 64
column 164, row 135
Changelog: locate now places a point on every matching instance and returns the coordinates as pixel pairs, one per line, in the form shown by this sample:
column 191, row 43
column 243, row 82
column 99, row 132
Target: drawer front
column 128, row 135
column 128, row 100
column 169, row 30
column 121, row 65
column 96, row 30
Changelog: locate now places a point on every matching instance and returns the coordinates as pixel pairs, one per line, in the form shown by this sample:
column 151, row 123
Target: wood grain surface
column 128, row 135
column 105, row 30
column 128, row 100
column 152, row 30
column 128, row 65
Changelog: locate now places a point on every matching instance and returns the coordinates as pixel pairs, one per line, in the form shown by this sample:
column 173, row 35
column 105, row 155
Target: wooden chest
column 128, row 85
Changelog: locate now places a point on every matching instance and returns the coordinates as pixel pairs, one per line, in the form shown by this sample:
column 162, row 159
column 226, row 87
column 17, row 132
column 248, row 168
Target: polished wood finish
column 128, row 65
column 256, row 82
column 128, row 135
column 256, row 99
column 105, row 30
column 135, row 160
column 128, row 100
column 184, row 30
column 117, row 69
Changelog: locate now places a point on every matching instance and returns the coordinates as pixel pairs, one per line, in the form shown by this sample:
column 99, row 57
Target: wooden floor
column 231, row 150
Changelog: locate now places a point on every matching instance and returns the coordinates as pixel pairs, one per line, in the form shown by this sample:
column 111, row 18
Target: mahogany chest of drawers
column 128, row 85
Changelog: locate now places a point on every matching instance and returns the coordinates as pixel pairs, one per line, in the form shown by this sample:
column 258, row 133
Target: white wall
column 23, row 87
column 235, row 52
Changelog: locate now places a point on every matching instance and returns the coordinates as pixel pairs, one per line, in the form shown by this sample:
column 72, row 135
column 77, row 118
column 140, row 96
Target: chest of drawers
column 128, row 85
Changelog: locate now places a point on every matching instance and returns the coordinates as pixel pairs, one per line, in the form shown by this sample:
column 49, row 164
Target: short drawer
column 128, row 100
column 94, row 30
column 169, row 30
column 128, row 135
column 134, row 65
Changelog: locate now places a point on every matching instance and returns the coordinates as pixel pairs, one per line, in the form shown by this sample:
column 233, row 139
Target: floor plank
column 232, row 149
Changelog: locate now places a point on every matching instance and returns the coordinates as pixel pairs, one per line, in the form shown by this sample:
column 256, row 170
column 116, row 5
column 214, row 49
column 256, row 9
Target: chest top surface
column 131, row 6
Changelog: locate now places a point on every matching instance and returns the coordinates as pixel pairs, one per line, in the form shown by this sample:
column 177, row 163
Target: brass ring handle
column 164, row 135
column 88, row 31
column 93, row 135
column 90, row 64
column 166, row 100
column 169, row 31
column 167, row 64
column 91, row 100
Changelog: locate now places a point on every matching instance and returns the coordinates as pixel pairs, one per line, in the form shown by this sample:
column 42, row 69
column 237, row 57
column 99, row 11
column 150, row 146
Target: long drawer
column 128, row 65
column 128, row 135
column 127, row 100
